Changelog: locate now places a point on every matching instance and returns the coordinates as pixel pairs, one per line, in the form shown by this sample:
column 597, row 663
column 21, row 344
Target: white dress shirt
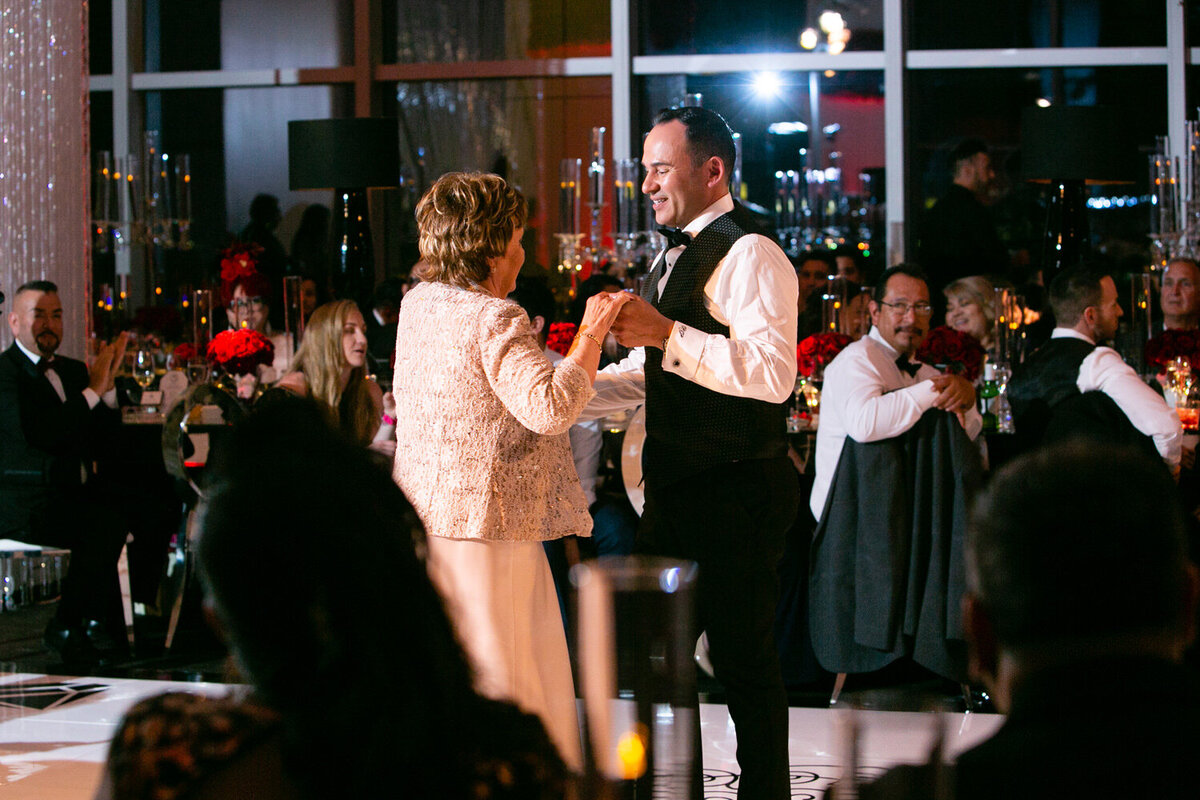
column 753, row 291
column 1103, row 370
column 587, row 442
column 867, row 397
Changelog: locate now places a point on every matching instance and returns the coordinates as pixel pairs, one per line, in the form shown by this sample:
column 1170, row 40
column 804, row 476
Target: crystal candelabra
column 142, row 199
column 1175, row 200
column 634, row 244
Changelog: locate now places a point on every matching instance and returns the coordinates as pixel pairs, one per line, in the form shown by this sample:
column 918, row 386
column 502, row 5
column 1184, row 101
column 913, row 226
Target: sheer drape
column 44, row 157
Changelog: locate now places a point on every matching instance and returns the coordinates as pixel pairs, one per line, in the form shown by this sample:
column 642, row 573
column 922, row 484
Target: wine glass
column 143, row 368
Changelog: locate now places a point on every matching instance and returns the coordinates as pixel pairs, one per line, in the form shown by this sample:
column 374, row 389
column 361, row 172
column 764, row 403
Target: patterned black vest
column 690, row 428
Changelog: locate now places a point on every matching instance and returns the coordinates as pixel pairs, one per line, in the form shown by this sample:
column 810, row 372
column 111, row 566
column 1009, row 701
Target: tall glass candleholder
column 570, row 172
column 293, row 317
column 596, row 204
column 636, row 645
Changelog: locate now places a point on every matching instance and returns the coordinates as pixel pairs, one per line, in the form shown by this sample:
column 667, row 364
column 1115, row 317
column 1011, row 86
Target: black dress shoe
column 84, row 644
column 71, row 643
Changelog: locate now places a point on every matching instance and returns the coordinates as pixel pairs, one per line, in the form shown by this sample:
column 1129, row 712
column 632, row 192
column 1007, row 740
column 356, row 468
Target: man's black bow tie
column 676, row 237
column 45, row 364
column 911, row 367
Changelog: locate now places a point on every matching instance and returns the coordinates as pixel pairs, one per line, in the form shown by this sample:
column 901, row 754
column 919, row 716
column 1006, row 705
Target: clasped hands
column 102, row 374
column 955, row 394
column 640, row 325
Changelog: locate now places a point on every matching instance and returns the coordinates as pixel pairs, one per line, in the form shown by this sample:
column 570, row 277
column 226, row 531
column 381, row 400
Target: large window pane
column 953, row 24
column 948, row 105
column 672, row 27
column 485, row 30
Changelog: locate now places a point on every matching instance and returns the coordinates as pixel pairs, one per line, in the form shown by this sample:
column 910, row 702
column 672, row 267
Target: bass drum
column 631, row 459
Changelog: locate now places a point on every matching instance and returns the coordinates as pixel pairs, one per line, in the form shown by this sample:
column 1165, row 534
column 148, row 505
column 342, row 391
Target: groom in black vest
column 715, row 359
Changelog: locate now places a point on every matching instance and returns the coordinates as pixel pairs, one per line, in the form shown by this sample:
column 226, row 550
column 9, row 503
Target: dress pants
column 82, row 520
column 731, row 520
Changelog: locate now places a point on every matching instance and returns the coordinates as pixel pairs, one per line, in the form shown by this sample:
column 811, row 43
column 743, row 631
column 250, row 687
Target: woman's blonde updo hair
column 465, row 219
column 321, row 358
column 978, row 290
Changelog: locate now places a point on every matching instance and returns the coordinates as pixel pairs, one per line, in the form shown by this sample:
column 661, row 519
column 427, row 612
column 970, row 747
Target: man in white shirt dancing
column 715, row 361
column 1071, row 386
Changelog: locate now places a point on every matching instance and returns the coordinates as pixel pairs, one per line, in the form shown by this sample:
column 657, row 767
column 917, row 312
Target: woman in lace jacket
column 482, row 439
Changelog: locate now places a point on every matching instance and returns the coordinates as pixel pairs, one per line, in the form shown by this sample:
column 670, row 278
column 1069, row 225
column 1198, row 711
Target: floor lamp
column 348, row 156
column 1070, row 147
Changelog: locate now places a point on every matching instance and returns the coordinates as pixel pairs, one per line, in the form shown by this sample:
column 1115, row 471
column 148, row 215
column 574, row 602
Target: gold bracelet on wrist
column 593, row 338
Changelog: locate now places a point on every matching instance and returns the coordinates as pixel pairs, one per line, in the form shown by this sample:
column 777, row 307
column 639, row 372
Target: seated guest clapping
column 53, row 410
column 330, row 366
column 356, row 681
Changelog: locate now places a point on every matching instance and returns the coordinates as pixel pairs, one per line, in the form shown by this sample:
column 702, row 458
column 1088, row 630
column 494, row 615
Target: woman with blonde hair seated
column 971, row 307
column 330, row 367
column 483, row 450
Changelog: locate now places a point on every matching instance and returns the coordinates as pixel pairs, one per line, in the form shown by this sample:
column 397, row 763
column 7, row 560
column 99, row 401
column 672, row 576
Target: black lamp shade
column 343, row 153
column 1075, row 143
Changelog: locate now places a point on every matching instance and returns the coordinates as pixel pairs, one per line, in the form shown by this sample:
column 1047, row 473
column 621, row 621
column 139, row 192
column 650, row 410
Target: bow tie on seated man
column 876, row 397
column 51, row 413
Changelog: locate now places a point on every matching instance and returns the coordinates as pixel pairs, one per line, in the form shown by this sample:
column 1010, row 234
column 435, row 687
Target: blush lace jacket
column 482, row 449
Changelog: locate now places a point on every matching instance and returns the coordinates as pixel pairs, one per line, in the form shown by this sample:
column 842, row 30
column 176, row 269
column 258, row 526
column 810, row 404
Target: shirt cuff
column 684, row 348
column 90, row 396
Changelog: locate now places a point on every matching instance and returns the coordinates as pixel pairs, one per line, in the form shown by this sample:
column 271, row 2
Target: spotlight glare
column 829, row 73
column 836, row 47
column 767, row 85
column 1043, row 102
column 809, row 39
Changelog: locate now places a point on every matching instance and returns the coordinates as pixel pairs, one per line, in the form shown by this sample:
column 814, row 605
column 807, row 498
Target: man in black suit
column 1077, row 617
column 51, row 408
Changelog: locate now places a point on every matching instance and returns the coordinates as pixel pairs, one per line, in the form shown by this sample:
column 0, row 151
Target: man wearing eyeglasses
column 874, row 390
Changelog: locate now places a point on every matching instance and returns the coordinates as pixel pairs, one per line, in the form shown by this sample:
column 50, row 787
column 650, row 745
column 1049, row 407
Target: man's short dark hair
column 389, row 292
column 966, row 149
column 533, row 295
column 708, row 134
column 1081, row 542
column 1073, row 291
column 45, row 287
column 911, row 270
column 824, row 256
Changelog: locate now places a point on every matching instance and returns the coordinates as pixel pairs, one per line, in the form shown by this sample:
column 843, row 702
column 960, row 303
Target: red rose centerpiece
column 561, row 336
column 1169, row 345
column 952, row 351
column 240, row 352
column 816, row 351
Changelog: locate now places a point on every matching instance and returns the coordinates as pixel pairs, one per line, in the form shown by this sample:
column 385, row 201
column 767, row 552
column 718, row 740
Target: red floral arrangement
column 184, row 353
column 240, row 351
column 1171, row 344
column 819, row 349
column 561, row 336
column 953, row 351
column 239, row 264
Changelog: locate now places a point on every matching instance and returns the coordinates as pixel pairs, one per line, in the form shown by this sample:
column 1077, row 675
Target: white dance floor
column 54, row 734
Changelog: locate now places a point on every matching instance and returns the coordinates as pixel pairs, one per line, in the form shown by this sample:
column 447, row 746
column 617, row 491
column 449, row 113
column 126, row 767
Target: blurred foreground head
column 1075, row 553
column 309, row 552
